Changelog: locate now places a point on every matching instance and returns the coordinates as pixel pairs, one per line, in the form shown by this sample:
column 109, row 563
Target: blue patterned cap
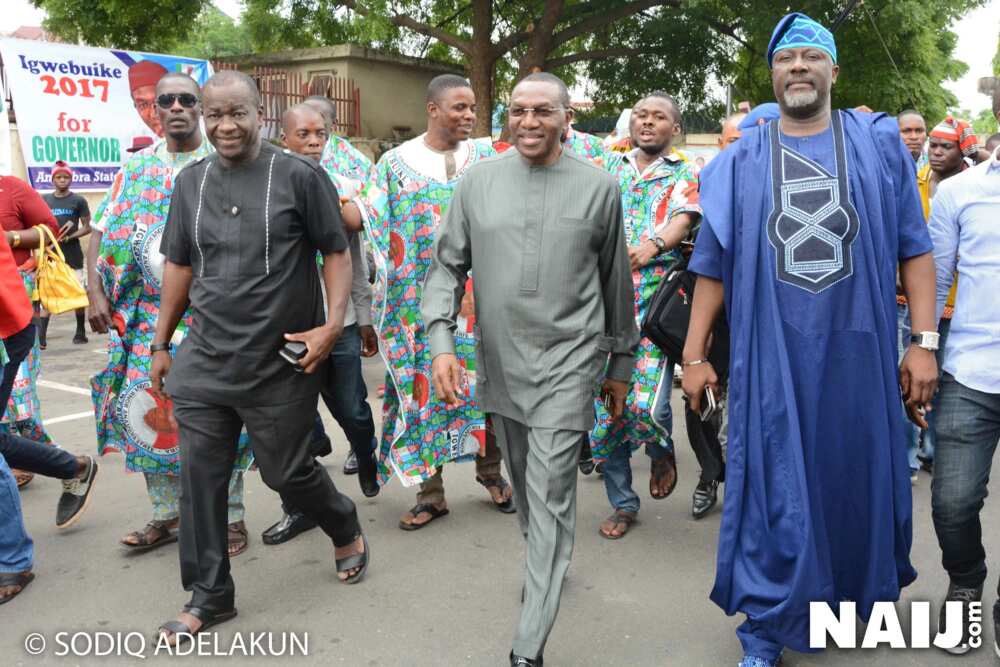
column 797, row 30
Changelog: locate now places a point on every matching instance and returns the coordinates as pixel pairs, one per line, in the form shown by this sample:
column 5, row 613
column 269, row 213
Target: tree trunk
column 481, row 64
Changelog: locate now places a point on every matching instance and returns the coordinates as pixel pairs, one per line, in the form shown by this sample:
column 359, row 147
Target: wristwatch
column 159, row 347
column 661, row 245
column 15, row 240
column 926, row 339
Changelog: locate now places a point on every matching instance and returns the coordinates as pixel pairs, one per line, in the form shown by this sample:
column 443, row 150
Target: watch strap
column 159, row 347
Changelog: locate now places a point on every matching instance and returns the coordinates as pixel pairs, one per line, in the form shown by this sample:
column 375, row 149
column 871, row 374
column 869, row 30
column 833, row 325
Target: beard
column 803, row 104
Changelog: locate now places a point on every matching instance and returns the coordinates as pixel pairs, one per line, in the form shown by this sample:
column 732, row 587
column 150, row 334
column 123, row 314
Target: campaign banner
column 86, row 106
column 6, row 163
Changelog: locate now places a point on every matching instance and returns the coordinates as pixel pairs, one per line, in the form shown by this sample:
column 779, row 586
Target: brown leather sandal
column 154, row 535
column 238, row 538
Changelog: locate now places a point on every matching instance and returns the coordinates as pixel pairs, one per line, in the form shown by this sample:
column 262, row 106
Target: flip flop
column 420, row 508
column 659, row 470
column 354, row 560
column 507, row 506
column 21, row 579
column 208, row 619
column 619, row 517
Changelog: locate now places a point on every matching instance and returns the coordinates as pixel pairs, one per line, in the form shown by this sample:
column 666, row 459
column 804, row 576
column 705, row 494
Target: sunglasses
column 187, row 100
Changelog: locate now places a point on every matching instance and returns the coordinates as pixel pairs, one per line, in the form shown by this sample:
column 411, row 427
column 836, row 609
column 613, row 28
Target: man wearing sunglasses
column 125, row 269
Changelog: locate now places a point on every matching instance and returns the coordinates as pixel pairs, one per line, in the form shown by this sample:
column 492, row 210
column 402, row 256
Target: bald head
column 174, row 80
column 548, row 77
column 325, row 106
column 304, row 130
column 731, row 130
column 229, row 78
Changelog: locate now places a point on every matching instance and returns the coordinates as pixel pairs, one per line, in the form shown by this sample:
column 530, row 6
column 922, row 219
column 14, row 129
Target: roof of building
column 338, row 52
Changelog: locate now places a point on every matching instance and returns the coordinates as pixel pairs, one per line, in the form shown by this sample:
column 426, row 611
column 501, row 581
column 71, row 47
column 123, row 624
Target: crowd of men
column 836, row 252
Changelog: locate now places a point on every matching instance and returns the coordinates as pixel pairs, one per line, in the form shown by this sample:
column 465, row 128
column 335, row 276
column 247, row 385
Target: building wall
column 392, row 87
column 391, row 95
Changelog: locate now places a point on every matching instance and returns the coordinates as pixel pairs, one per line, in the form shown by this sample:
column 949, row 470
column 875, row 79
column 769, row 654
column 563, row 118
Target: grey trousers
column 542, row 464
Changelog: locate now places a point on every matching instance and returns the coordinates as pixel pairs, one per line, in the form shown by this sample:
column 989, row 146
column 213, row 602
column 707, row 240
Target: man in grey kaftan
column 541, row 231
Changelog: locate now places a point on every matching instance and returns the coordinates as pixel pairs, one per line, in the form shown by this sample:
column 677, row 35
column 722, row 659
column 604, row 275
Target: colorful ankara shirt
column 24, row 413
column 587, row 145
column 419, row 434
column 132, row 218
column 649, row 200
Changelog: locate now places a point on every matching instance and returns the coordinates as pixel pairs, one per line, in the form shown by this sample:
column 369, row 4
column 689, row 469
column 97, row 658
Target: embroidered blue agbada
column 818, row 504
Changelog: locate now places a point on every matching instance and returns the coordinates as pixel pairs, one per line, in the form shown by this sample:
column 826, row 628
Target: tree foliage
column 893, row 53
column 214, row 35
column 151, row 25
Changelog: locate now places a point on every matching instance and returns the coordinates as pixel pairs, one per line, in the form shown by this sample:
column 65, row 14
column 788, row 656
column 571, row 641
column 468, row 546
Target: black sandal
column 420, row 508
column 354, row 560
column 21, row 579
column 507, row 506
column 166, row 536
column 208, row 619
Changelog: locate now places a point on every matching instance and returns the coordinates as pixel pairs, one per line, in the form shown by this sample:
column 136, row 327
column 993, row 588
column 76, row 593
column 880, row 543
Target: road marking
column 68, row 418
column 63, row 387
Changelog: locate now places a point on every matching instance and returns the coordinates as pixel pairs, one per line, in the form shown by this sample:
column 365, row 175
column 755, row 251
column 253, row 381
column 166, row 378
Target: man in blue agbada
column 806, row 219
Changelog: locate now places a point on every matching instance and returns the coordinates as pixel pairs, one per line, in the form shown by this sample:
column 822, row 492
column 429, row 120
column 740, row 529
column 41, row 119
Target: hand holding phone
column 709, row 405
column 293, row 352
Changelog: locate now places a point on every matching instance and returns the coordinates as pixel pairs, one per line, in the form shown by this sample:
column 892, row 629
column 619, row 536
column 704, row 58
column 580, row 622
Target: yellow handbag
column 58, row 288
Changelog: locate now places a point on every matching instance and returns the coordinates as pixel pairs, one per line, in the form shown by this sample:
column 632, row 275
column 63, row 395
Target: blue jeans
column 16, row 548
column 346, row 395
column 618, row 466
column 902, row 344
column 929, row 441
column 968, row 426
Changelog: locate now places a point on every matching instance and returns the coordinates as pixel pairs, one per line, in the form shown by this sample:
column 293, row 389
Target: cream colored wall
column 391, row 95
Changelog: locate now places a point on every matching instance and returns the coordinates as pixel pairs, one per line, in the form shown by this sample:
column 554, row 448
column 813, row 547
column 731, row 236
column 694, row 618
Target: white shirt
column 965, row 228
column 431, row 163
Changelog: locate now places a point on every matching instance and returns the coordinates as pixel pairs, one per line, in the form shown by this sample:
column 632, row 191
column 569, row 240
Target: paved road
column 445, row 595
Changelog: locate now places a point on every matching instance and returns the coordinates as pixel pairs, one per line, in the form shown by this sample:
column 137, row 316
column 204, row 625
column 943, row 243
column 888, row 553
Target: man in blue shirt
column 805, row 221
column 963, row 226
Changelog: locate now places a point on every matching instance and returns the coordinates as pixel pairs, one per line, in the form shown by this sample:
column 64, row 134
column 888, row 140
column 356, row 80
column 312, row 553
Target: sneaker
column 351, row 464
column 966, row 596
column 76, row 496
column 757, row 661
column 80, row 338
column 996, row 628
column 914, row 478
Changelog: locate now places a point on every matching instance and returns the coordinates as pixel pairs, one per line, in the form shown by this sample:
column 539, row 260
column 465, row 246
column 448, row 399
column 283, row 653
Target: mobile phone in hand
column 293, row 352
column 708, row 405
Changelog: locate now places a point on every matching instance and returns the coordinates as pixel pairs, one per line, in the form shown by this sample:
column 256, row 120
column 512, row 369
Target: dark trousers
column 346, row 395
column 704, row 439
column 968, row 426
column 279, row 436
column 22, row 453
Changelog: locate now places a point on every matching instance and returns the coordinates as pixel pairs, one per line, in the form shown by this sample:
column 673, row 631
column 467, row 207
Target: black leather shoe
column 368, row 475
column 706, row 494
column 290, row 526
column 521, row 661
column 320, row 447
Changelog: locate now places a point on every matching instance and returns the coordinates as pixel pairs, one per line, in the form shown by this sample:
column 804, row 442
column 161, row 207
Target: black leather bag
column 669, row 313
